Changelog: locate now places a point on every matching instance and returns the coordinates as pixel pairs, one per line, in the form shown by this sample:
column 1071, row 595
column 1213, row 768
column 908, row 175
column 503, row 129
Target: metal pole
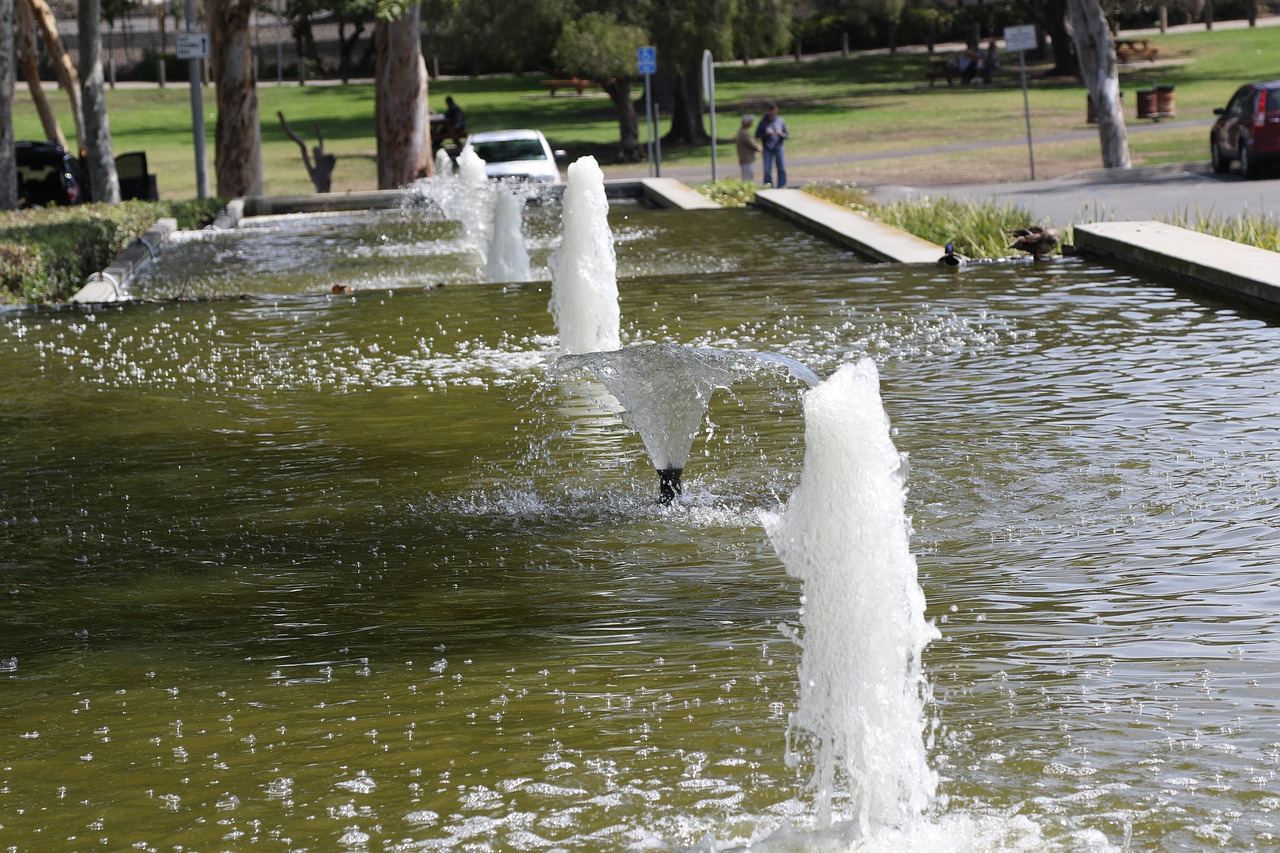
column 709, row 81
column 197, row 110
column 648, row 121
column 1026, row 108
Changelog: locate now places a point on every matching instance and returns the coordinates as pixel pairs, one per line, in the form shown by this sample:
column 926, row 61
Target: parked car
column 521, row 154
column 47, row 175
column 1247, row 129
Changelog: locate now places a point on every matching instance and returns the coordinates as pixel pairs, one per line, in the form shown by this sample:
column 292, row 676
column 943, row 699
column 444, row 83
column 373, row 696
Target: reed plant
column 978, row 230
column 1261, row 231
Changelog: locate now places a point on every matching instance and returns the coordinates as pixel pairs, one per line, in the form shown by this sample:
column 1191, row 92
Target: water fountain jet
column 845, row 534
column 665, row 390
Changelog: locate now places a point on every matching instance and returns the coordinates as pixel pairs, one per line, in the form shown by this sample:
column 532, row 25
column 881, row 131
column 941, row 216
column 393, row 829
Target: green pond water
column 304, row 571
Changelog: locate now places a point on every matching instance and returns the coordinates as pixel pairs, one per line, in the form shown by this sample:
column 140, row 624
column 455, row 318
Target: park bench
column 1127, row 50
column 944, row 68
column 573, row 83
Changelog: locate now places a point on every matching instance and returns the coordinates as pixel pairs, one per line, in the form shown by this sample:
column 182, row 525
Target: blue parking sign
column 647, row 60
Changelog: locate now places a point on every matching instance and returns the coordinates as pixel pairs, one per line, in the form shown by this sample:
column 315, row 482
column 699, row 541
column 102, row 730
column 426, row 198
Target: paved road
column 1154, row 192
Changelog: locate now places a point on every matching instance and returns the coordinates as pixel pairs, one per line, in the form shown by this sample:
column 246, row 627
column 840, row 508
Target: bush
column 46, row 255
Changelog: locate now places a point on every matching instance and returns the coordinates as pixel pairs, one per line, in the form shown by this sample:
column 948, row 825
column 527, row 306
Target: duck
column 951, row 259
column 1036, row 239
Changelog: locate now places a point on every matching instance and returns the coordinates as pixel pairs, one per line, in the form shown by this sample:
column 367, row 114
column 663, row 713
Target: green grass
column 835, row 107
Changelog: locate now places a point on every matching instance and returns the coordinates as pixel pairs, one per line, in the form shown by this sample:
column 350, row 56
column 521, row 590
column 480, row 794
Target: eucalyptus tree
column 401, row 121
column 104, row 183
column 1096, row 51
column 8, row 169
column 237, row 136
column 597, row 46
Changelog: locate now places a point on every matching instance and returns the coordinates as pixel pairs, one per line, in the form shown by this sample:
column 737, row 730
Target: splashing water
column 844, row 533
column 508, row 257
column 584, row 269
column 444, row 167
column 665, row 390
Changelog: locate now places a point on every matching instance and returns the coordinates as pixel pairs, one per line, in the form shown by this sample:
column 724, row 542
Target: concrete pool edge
column 1221, row 267
column 1215, row 265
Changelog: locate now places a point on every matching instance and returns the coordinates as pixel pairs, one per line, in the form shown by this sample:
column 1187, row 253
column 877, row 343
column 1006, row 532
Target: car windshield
column 506, row 150
column 1273, row 100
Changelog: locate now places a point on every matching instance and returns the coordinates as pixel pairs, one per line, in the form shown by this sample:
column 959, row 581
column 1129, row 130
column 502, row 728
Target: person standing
column 772, row 133
column 747, row 149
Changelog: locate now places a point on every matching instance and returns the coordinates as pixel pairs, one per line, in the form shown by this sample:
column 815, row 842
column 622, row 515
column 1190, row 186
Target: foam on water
column 584, row 269
column 844, row 533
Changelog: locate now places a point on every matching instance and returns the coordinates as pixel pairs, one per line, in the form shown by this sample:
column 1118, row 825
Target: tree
column 237, row 137
column 762, row 28
column 104, row 183
column 8, row 170
column 597, row 47
column 62, row 64
column 1096, row 51
column 681, row 31
column 25, row 36
column 400, row 98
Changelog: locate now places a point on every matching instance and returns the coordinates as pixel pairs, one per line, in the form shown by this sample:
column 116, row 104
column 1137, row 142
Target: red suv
column 1247, row 129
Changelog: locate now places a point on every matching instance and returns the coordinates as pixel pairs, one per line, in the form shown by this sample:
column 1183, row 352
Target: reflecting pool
column 315, row 571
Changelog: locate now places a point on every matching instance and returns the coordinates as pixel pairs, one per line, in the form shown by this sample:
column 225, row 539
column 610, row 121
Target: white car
column 522, row 154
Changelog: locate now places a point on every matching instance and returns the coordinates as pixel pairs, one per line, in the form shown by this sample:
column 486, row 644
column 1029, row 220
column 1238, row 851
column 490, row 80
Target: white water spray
column 845, row 534
column 508, row 257
column 584, row 269
column 444, row 167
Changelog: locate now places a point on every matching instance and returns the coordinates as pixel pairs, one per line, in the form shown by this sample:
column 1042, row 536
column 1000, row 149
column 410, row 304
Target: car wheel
column 1220, row 161
column 1247, row 170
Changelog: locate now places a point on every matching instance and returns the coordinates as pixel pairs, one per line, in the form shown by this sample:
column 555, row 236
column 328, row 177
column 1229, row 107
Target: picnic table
column 1128, row 50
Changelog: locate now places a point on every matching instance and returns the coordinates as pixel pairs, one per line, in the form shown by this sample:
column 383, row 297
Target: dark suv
column 48, row 175
column 1247, row 129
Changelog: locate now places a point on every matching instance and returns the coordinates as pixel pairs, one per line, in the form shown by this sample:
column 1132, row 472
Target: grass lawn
column 836, row 109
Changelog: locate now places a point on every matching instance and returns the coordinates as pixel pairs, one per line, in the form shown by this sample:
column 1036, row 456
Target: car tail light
column 1260, row 110
column 73, row 194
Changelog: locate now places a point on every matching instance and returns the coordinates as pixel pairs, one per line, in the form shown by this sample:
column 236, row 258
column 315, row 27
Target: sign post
column 709, row 90
column 1021, row 39
column 194, row 47
column 647, row 66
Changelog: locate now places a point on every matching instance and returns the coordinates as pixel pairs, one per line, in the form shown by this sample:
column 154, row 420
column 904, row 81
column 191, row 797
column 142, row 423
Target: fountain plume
column 584, row 269
column 844, row 533
column 665, row 390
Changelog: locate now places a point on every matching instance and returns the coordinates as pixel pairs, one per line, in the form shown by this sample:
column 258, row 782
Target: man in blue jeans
column 772, row 133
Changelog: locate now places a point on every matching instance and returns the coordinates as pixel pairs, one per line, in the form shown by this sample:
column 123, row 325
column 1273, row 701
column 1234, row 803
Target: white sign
column 1020, row 38
column 193, row 45
column 647, row 60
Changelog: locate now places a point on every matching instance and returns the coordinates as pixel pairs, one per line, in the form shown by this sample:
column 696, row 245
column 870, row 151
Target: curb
column 112, row 283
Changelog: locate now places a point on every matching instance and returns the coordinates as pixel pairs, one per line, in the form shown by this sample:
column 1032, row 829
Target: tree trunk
column 25, row 37
column 619, row 91
column 1055, row 26
column 8, row 168
column 104, row 183
column 686, row 111
column 347, row 46
column 400, row 111
column 238, row 136
column 62, row 64
column 1096, row 51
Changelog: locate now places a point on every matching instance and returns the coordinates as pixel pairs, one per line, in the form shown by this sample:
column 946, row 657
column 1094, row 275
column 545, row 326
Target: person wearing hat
column 772, row 133
column 747, row 148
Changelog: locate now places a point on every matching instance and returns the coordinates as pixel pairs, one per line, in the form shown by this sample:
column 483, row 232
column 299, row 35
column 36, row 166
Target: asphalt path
column 1103, row 195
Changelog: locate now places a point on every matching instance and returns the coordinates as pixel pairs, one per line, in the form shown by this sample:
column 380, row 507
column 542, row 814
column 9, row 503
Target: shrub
column 46, row 255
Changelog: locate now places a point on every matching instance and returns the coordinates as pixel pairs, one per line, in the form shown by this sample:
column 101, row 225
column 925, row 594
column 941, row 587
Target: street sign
column 193, row 45
column 647, row 60
column 1020, row 38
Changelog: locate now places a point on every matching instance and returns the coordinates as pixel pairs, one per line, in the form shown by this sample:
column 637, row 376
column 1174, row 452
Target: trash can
column 1147, row 103
column 1164, row 101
